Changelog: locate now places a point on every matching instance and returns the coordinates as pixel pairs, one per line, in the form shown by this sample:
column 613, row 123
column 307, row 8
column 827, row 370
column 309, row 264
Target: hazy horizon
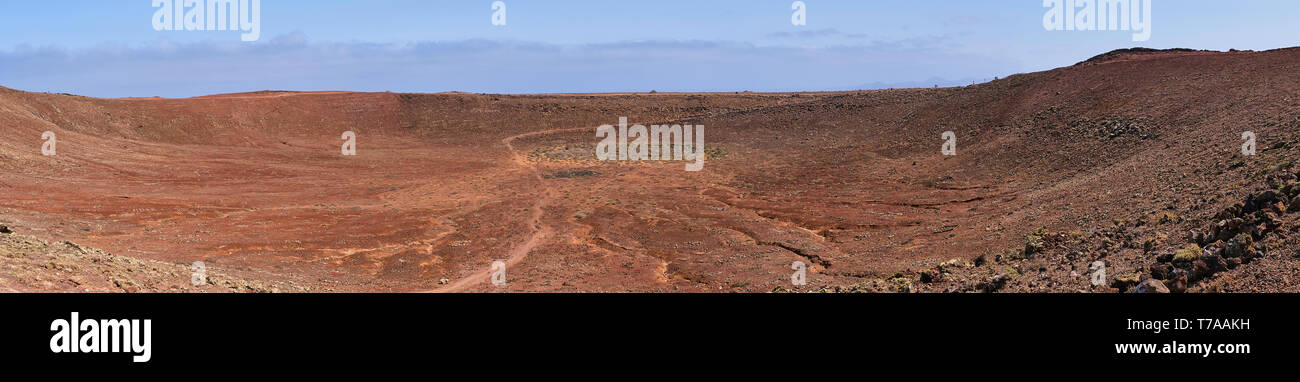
column 112, row 48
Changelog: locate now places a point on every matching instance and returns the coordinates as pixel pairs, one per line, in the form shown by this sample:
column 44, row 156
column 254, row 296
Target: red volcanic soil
column 1129, row 159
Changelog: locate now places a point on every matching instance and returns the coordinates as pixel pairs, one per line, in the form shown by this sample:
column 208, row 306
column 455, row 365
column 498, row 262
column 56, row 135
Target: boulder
column 1162, row 271
column 1267, row 197
column 953, row 265
column 1215, row 264
column 930, row 276
column 1240, row 246
column 1179, row 283
column 997, row 283
column 1151, row 286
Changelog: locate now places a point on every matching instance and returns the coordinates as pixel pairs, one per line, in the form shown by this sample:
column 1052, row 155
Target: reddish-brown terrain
column 1130, row 159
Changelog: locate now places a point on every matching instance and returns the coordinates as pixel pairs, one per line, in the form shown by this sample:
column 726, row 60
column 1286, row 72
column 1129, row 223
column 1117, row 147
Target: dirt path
column 540, row 229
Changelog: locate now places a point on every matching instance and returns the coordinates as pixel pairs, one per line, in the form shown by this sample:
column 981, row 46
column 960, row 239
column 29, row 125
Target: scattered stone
column 1200, row 271
column 954, row 264
column 1179, row 282
column 930, row 276
column 1165, row 256
column 997, row 283
column 1162, row 271
column 1155, row 242
column 1215, row 264
column 1114, row 127
column 1163, row 218
column 1198, row 236
column 1239, row 246
column 1151, row 286
column 5, row 229
column 1268, row 197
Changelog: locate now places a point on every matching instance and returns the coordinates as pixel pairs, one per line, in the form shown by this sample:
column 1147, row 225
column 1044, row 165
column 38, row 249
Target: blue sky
column 109, row 48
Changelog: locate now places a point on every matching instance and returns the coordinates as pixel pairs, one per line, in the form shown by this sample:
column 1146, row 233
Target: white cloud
column 292, row 62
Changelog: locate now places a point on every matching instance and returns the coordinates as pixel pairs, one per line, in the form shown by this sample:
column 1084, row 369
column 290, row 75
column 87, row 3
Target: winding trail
column 540, row 229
